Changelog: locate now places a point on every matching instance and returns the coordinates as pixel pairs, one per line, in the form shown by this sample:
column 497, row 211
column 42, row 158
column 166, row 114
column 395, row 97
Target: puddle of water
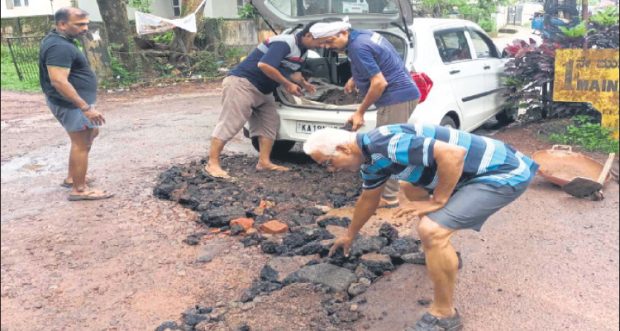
column 28, row 166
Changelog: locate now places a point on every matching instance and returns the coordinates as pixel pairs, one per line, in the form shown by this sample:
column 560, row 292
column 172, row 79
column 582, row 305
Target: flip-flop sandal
column 92, row 195
column 70, row 185
column 429, row 322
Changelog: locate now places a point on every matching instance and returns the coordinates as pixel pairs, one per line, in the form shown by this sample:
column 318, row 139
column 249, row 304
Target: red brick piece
column 245, row 222
column 274, row 227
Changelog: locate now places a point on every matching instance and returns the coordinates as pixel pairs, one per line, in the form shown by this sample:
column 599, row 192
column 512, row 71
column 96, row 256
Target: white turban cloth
column 322, row 30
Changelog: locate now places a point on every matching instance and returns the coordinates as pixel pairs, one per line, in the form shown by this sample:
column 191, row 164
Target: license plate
column 309, row 127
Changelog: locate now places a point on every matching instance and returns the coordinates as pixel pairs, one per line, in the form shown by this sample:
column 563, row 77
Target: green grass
column 10, row 80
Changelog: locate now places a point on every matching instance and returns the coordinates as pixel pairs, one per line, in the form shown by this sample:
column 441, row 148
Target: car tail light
column 424, row 84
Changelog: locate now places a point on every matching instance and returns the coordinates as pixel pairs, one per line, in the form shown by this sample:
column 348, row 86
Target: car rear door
column 375, row 14
column 488, row 61
column 466, row 79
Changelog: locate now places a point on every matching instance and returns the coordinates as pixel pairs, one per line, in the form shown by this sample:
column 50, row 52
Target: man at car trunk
column 380, row 75
column 454, row 180
column 248, row 95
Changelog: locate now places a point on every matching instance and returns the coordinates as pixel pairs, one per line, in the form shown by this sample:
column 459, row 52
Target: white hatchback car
column 454, row 63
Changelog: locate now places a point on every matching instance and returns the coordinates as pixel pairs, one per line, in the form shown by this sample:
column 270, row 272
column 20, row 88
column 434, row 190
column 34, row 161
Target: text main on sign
column 589, row 76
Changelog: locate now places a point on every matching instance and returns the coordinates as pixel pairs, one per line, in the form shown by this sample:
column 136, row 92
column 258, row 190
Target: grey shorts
column 72, row 119
column 242, row 102
column 471, row 205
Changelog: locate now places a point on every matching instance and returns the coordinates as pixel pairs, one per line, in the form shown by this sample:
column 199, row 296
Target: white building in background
column 162, row 8
column 25, row 8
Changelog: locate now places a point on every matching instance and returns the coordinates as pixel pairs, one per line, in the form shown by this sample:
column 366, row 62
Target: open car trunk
column 329, row 72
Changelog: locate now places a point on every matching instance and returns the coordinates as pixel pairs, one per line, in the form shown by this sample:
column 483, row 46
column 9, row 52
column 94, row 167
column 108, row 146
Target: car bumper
column 298, row 128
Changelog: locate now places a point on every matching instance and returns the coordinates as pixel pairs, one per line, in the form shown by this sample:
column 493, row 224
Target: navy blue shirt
column 59, row 51
column 275, row 52
column 370, row 53
column 405, row 152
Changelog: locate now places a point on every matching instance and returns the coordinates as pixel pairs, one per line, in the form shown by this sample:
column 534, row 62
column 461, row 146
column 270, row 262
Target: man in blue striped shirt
column 455, row 180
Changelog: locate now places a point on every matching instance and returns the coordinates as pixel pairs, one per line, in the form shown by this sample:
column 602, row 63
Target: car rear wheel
column 448, row 121
column 280, row 147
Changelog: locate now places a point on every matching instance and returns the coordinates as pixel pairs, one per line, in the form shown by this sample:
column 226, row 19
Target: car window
column 483, row 47
column 399, row 43
column 452, row 46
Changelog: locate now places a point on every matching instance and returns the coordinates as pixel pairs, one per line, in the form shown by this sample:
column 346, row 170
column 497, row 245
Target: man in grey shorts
column 248, row 96
column 454, row 180
column 70, row 87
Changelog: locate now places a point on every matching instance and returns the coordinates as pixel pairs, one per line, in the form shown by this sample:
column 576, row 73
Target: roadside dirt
column 546, row 262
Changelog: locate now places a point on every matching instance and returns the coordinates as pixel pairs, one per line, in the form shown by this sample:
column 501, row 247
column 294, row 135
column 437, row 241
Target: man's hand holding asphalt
column 345, row 242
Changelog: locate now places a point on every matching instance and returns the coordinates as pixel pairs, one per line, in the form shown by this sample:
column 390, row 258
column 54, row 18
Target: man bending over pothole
column 248, row 95
column 454, row 180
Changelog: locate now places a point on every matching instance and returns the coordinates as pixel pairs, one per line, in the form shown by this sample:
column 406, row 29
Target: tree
column 183, row 41
column 114, row 15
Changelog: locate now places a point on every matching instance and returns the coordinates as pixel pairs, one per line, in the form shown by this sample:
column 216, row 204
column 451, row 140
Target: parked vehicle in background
column 454, row 62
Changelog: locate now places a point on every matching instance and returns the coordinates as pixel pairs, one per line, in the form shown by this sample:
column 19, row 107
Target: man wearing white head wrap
column 329, row 29
column 379, row 73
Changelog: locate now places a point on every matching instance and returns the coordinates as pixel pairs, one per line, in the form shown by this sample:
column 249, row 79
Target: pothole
column 296, row 201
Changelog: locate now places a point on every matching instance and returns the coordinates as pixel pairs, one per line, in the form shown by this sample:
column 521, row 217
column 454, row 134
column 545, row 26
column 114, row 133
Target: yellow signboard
column 589, row 76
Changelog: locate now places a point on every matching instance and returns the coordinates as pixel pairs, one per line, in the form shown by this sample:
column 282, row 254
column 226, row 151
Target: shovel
column 582, row 187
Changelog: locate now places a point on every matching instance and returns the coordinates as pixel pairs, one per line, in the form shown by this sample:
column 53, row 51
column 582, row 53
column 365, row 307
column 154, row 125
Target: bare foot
column 271, row 167
column 388, row 203
column 216, row 171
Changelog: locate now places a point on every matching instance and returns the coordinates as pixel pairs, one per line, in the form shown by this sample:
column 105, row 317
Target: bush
column 247, row 11
column 121, row 74
column 487, row 25
column 233, row 55
column 606, row 17
column 164, row 38
column 587, row 134
column 206, row 63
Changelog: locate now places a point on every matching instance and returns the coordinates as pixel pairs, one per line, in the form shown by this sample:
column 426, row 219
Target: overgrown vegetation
column 164, row 38
column 9, row 78
column 141, row 5
column 591, row 136
column 480, row 11
column 606, row 17
column 120, row 73
column 531, row 69
column 247, row 12
column 578, row 31
column 605, row 32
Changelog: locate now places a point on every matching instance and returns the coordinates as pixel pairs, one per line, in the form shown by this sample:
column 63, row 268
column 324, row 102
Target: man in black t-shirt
column 70, row 87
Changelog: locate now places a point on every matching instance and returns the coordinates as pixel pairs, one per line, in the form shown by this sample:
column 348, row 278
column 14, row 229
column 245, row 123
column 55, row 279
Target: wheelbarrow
column 561, row 166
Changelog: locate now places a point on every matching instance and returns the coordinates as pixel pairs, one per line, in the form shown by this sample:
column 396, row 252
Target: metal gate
column 24, row 53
